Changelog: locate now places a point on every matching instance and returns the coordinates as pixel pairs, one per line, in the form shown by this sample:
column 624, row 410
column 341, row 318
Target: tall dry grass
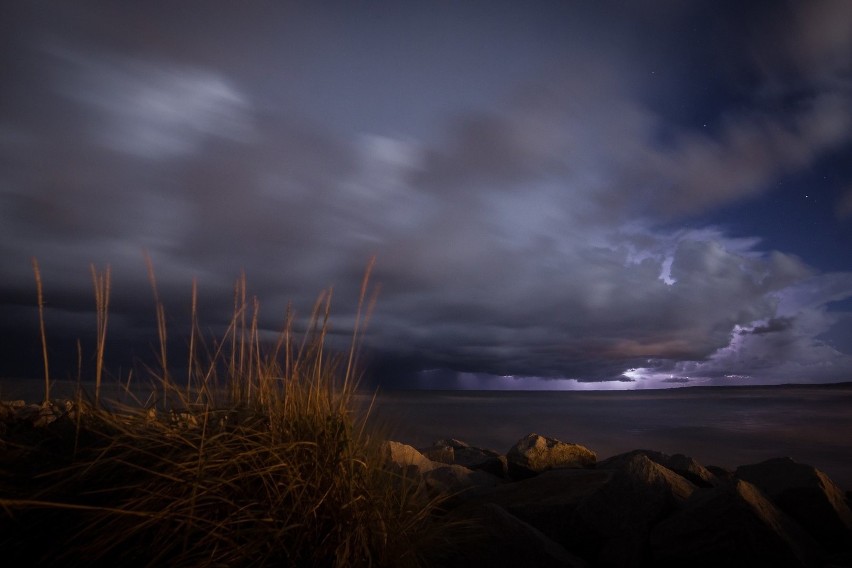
column 40, row 295
column 262, row 458
column 101, row 284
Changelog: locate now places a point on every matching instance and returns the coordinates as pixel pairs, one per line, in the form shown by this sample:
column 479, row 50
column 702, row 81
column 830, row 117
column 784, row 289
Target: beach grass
column 261, row 456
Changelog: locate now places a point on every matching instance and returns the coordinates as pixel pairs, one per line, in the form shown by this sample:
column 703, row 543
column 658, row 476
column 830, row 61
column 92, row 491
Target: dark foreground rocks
column 553, row 504
column 806, row 494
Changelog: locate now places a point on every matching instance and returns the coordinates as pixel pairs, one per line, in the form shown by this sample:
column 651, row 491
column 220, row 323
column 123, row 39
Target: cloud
column 676, row 380
column 547, row 235
column 774, row 325
column 749, row 153
column 810, row 42
column 151, row 109
column 789, row 348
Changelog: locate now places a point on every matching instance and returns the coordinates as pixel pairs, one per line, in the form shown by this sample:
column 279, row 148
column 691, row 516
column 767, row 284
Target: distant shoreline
column 842, row 385
column 34, row 387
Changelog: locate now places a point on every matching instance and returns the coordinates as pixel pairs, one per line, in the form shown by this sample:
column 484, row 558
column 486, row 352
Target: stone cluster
column 13, row 412
column 549, row 503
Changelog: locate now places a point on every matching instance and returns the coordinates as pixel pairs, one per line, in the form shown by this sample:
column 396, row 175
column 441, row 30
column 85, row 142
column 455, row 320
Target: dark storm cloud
column 526, row 226
column 785, row 348
column 774, row 325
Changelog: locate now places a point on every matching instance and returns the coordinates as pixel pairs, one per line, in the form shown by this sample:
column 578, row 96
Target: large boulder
column 682, row 465
column 611, row 526
column 484, row 460
column 731, row 525
column 449, row 479
column 547, row 501
column 806, row 494
column 534, row 454
column 457, row 452
column 498, row 539
column 459, row 483
column 721, row 474
column 407, row 460
column 442, row 454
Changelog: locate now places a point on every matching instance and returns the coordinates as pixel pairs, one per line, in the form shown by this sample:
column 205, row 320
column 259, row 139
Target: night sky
column 558, row 194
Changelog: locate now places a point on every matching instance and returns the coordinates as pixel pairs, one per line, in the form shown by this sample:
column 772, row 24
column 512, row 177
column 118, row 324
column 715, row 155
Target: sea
column 722, row 426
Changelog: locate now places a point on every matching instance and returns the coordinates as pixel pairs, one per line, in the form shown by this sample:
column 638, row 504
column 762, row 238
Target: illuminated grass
column 261, row 458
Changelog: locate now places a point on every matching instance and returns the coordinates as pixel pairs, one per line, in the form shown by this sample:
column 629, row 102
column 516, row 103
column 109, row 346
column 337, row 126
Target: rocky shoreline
column 547, row 503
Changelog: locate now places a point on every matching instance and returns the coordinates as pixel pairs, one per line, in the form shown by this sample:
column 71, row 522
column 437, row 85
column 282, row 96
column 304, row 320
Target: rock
column 499, row 539
column 29, row 413
column 548, row 501
column 690, row 469
column 455, row 480
column 9, row 409
column 60, row 410
column 406, row 459
column 458, row 482
column 534, row 454
column 471, row 457
column 495, row 465
column 450, row 443
column 808, row 496
column 682, row 465
column 731, row 525
column 183, row 420
column 46, row 414
column 610, row 527
column 720, row 473
column 485, row 460
column 455, row 451
column 443, row 454
column 36, row 415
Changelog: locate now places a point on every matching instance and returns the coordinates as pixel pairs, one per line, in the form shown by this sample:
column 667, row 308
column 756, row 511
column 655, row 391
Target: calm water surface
column 725, row 426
